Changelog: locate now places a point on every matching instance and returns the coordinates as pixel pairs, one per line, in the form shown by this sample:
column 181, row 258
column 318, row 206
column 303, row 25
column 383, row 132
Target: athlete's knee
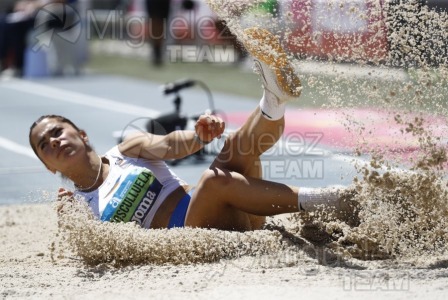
column 215, row 179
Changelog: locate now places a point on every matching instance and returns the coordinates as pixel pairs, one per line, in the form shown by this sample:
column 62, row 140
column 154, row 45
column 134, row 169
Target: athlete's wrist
column 198, row 140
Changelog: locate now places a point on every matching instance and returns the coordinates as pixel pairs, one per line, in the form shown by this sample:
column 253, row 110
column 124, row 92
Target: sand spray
column 402, row 200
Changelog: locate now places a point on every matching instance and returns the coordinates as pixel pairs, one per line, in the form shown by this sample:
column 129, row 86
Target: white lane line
column 79, row 98
column 23, row 170
column 17, row 148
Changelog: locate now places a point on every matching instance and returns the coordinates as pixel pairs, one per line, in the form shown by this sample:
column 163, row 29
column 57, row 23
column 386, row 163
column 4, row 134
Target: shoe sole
column 266, row 47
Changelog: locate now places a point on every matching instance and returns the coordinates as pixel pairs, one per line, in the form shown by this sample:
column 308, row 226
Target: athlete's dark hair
column 57, row 117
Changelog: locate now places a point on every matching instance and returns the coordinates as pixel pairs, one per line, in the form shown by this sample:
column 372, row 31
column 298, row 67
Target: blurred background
column 163, row 40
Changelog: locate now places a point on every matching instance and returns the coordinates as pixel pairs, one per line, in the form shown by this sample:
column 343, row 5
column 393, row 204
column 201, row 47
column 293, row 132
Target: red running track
column 363, row 129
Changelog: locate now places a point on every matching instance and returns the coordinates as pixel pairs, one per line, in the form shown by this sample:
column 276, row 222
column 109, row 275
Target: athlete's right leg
column 227, row 200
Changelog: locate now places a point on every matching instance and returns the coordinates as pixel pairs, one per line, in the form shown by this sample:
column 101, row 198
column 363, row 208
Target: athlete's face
column 58, row 144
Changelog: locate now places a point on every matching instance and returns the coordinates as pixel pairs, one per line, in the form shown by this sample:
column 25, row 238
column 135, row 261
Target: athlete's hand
column 209, row 127
column 63, row 194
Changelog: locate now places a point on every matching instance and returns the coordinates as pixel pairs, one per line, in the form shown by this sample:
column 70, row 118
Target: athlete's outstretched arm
column 176, row 144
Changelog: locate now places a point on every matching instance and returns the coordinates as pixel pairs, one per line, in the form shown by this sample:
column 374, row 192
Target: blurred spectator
column 195, row 24
column 158, row 12
column 15, row 28
column 65, row 54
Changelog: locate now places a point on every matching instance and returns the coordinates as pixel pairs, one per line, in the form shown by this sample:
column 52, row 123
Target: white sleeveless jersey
column 133, row 191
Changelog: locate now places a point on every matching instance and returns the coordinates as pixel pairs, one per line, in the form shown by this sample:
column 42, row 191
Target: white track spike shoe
column 272, row 64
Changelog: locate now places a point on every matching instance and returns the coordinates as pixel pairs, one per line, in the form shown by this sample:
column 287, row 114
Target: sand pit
column 396, row 247
column 30, row 268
